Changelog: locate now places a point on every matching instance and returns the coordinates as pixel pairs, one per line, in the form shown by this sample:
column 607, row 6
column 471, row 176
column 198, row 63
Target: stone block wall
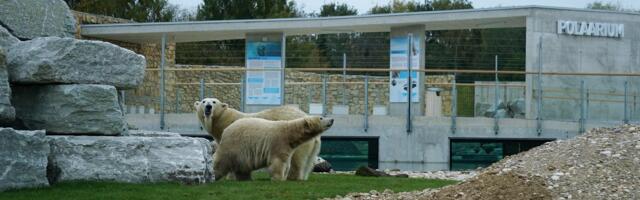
column 182, row 87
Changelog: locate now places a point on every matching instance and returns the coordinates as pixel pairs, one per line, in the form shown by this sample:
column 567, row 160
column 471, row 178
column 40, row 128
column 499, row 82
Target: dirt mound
column 492, row 186
column 601, row 164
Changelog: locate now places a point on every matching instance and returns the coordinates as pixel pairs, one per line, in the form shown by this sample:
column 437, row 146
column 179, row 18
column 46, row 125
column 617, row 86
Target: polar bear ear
column 225, row 105
column 196, row 104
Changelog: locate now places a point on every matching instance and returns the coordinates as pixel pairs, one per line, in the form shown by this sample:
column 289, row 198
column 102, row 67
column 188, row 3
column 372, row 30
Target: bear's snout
column 331, row 122
column 207, row 110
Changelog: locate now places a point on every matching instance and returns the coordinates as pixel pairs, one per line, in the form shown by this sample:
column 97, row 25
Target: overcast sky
column 364, row 5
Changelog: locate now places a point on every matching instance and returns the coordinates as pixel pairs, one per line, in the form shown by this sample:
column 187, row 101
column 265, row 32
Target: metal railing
column 533, row 92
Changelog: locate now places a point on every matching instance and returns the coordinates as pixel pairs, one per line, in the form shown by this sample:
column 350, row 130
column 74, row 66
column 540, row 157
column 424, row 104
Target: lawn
column 318, row 186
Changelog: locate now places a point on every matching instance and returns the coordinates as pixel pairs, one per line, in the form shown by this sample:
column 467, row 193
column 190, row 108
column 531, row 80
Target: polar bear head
column 209, row 107
column 314, row 124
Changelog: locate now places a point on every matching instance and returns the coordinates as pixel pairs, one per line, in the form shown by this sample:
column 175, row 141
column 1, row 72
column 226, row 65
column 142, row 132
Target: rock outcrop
column 69, row 109
column 23, row 159
column 6, row 39
column 54, row 60
column 28, row 19
column 7, row 112
column 130, row 159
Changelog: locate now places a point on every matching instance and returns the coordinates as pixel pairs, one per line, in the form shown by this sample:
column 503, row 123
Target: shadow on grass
column 318, row 186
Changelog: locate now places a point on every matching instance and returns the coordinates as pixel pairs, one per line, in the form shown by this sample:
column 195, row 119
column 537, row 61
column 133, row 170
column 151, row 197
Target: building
column 574, row 55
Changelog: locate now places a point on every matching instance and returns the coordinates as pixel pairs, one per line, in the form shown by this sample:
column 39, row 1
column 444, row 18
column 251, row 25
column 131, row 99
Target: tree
column 231, row 52
column 599, row 5
column 136, row 10
column 333, row 9
column 246, row 9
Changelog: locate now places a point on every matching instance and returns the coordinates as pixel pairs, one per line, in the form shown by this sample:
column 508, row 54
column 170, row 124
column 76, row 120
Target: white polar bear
column 215, row 116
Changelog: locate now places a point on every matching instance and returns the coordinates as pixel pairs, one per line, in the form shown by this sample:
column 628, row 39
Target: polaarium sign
column 595, row 29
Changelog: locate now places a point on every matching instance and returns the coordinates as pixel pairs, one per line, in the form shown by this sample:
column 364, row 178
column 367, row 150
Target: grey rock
column 28, row 19
column 130, row 159
column 69, row 109
column 6, row 39
column 148, row 133
column 517, row 108
column 23, row 159
column 53, row 60
column 7, row 112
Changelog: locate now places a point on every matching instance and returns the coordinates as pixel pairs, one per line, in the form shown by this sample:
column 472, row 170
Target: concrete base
column 426, row 148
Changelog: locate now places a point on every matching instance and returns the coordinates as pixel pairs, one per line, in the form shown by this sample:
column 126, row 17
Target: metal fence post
column 242, row 92
column 366, row 102
column 201, row 88
column 409, row 83
column 454, row 105
column 162, row 82
column 539, row 91
column 496, row 126
column 583, row 111
column 344, row 79
column 626, row 102
column 177, row 108
column 324, row 94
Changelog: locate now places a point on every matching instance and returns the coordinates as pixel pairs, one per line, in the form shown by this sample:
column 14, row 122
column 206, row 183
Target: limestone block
column 28, row 19
column 23, row 159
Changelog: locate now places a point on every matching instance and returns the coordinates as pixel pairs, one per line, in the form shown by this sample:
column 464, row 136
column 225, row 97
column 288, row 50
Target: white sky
column 364, row 5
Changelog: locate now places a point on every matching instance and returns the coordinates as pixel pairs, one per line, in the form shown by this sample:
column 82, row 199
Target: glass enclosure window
column 349, row 153
column 473, row 153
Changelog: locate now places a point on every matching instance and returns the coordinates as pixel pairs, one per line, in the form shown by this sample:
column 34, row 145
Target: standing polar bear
column 253, row 143
column 215, row 116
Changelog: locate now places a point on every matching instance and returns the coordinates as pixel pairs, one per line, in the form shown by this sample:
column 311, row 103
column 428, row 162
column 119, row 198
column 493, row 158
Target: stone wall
column 148, row 94
column 182, row 87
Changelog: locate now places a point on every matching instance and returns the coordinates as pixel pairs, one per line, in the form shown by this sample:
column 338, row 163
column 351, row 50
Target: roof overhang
column 507, row 17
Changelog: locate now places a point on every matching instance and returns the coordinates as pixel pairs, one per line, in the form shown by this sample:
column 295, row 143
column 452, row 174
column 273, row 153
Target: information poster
column 399, row 80
column 264, row 84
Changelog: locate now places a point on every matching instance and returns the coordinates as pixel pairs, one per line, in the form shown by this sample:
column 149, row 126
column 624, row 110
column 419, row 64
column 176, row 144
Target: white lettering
column 620, row 30
column 583, row 28
column 590, row 29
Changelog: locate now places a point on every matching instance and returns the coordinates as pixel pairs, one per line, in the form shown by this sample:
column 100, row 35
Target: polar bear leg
column 299, row 161
column 277, row 168
column 311, row 158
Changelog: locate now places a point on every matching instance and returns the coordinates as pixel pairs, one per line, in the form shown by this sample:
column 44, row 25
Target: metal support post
column 162, row 82
column 582, row 107
column 177, row 108
column 409, row 84
column 496, row 126
column 539, row 91
column 243, row 91
column 626, row 102
column 324, row 94
column 201, row 89
column 344, row 79
column 454, row 105
column 366, row 102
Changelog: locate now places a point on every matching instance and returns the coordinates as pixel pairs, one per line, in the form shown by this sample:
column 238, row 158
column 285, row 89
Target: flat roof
column 192, row 31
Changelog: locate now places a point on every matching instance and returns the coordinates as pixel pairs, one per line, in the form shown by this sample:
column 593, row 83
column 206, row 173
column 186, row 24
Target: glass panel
column 346, row 154
column 471, row 155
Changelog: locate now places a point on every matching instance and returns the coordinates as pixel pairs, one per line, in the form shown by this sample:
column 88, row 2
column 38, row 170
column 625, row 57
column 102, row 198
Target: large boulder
column 130, row 159
column 6, row 39
column 28, row 19
column 7, row 112
column 23, row 159
column 69, row 109
column 53, row 60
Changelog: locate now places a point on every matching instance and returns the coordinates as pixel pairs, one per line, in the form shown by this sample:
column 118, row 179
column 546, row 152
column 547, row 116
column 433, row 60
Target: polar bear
column 253, row 143
column 215, row 116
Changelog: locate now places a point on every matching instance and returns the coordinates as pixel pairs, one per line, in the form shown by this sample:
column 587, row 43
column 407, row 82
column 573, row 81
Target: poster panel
column 263, row 85
column 398, row 81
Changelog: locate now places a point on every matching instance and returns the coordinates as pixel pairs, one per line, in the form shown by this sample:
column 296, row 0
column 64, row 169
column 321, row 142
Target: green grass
column 318, row 186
